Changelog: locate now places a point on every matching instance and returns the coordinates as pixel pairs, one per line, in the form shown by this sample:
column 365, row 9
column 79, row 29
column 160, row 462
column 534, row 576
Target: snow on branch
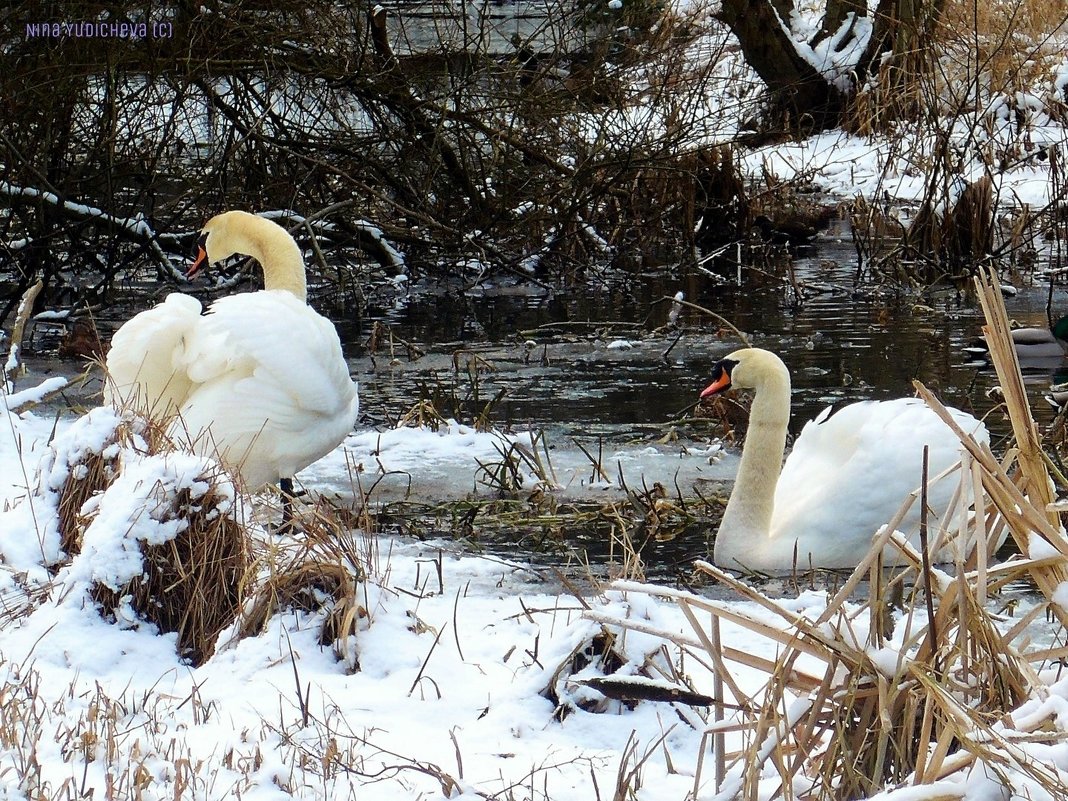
column 136, row 228
column 31, row 396
column 375, row 241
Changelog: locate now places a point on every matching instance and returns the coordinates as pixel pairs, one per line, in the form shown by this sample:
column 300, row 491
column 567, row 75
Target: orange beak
column 198, row 263
column 721, row 384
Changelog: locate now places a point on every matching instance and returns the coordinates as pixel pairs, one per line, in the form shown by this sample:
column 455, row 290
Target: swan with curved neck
column 267, row 242
column 260, row 381
column 847, row 475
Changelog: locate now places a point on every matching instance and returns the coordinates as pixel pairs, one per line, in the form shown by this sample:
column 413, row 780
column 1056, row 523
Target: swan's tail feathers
column 157, row 398
column 146, row 364
column 238, row 454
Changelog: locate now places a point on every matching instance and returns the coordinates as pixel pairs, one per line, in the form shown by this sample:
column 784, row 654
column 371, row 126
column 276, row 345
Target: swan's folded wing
column 252, row 424
column 852, row 469
column 279, row 340
column 147, row 361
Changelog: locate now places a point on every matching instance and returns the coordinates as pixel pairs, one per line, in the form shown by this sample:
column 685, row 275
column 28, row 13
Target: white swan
column 259, row 381
column 846, row 477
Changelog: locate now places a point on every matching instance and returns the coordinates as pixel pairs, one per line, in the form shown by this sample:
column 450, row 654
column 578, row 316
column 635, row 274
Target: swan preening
column 846, row 477
column 259, row 381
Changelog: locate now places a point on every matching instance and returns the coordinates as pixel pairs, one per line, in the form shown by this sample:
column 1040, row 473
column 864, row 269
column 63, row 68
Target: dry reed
column 859, row 701
column 191, row 583
column 319, row 572
column 306, row 586
column 1014, row 44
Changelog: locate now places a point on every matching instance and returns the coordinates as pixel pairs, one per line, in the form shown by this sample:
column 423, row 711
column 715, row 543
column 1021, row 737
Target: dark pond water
column 840, row 345
column 544, row 357
column 546, row 352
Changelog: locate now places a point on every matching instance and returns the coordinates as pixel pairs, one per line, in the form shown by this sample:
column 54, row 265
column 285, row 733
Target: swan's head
column 748, row 368
column 220, row 239
column 264, row 240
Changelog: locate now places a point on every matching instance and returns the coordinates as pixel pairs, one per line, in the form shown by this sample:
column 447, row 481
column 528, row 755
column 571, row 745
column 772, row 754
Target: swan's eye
column 724, row 366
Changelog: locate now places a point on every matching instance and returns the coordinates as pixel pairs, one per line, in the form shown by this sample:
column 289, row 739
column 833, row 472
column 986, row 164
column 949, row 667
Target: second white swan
column 846, row 477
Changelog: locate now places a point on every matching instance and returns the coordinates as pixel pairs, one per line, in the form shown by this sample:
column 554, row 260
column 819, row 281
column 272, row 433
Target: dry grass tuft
column 191, row 584
column 90, row 474
column 91, row 471
column 308, row 586
column 423, row 414
column 196, row 583
column 322, row 572
column 935, row 240
column 965, row 235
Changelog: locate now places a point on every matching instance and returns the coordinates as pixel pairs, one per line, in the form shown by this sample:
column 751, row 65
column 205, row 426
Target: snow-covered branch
column 136, row 228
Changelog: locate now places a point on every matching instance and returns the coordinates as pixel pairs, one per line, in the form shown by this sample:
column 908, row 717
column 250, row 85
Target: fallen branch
column 11, row 367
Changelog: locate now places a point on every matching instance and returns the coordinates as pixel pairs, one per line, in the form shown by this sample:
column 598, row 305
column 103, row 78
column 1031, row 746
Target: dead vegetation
column 394, row 144
column 918, row 682
column 320, row 573
column 212, row 571
column 932, row 244
column 988, row 70
column 967, row 60
column 191, row 583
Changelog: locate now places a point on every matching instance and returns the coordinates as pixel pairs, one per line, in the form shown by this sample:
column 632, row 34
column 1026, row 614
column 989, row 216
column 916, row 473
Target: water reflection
column 840, row 346
column 548, row 352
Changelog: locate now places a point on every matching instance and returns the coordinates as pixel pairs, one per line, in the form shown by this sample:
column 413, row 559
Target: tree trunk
column 796, row 88
column 799, row 92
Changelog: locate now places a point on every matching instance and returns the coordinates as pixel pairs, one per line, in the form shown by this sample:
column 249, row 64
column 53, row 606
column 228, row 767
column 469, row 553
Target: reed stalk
column 841, row 716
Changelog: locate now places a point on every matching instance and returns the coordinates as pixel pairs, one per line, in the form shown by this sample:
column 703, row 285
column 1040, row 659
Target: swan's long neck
column 276, row 251
column 283, row 268
column 747, row 519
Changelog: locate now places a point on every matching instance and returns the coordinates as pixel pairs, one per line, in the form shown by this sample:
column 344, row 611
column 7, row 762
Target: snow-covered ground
column 449, row 698
column 464, row 679
column 445, row 465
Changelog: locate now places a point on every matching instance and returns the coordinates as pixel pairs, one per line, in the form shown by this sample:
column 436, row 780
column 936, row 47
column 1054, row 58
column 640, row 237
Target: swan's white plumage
column 856, row 467
column 260, row 380
column 846, row 476
column 146, row 362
